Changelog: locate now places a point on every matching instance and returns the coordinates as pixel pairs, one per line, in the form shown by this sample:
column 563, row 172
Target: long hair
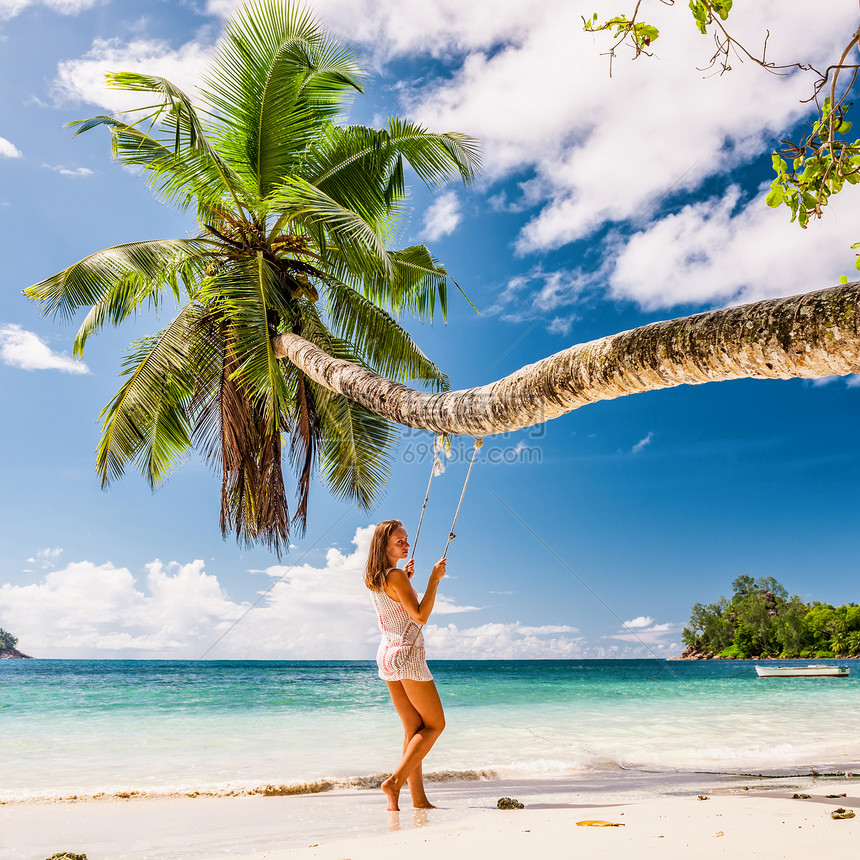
column 377, row 558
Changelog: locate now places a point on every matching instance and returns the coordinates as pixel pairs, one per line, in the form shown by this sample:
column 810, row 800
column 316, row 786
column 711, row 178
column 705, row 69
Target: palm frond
column 355, row 454
column 434, row 156
column 246, row 294
column 277, row 80
column 259, row 34
column 148, row 264
column 191, row 144
column 359, row 243
column 358, row 167
column 182, row 179
column 147, row 420
column 420, row 282
column 377, row 336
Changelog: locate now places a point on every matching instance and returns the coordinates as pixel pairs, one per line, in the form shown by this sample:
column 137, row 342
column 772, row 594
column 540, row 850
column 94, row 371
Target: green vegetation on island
column 7, row 646
column 762, row 620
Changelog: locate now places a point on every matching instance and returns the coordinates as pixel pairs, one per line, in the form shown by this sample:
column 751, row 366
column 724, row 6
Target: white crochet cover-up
column 397, row 658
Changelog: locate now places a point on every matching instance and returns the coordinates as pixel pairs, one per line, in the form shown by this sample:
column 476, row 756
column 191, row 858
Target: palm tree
column 812, row 335
column 296, row 216
column 289, row 295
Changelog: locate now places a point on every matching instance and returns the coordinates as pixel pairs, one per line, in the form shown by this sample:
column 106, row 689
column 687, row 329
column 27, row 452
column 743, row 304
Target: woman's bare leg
column 415, row 782
column 412, row 724
column 424, row 698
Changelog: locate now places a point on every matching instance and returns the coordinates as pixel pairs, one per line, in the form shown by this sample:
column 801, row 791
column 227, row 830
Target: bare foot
column 392, row 792
column 425, row 804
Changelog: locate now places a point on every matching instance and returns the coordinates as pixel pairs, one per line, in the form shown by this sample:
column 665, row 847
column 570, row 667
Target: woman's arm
column 398, row 581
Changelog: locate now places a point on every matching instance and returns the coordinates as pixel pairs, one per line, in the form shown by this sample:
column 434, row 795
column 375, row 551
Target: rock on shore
column 13, row 654
column 693, row 653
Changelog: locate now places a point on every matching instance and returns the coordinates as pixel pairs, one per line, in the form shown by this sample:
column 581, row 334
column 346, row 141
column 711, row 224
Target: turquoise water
column 159, row 726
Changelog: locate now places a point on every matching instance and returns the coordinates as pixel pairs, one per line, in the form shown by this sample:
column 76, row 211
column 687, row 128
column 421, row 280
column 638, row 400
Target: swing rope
column 423, row 508
column 479, row 441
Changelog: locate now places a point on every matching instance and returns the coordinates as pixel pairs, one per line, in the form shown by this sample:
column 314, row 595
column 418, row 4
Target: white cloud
column 83, row 79
column 561, row 325
column 442, row 217
column 46, row 557
column 86, row 609
column 610, row 149
column 640, row 621
column 70, row 171
column 589, row 150
column 11, row 8
column 642, row 631
column 8, row 149
column 179, row 611
column 824, row 380
column 503, row 642
column 541, row 295
column 716, row 251
column 24, row 349
column 445, row 606
column 642, row 443
column 394, row 27
column 852, row 380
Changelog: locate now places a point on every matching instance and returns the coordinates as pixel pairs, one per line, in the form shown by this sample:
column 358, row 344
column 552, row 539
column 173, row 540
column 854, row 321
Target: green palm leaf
column 359, row 243
column 433, row 156
column 359, row 168
column 277, row 79
column 147, row 420
column 355, row 455
column 187, row 126
column 183, row 181
column 149, row 264
column 245, row 294
column 385, row 345
column 420, row 282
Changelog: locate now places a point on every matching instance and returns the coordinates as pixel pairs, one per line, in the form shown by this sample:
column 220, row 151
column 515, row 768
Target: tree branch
column 809, row 336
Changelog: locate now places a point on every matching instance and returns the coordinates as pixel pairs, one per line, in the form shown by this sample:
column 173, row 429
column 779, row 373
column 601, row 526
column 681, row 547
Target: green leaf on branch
column 642, row 34
column 776, row 196
column 701, row 14
column 722, row 8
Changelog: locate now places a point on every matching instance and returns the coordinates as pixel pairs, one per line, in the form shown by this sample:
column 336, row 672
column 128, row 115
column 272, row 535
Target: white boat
column 802, row 671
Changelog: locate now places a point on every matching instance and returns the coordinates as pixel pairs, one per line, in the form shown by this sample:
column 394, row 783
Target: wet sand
column 662, row 816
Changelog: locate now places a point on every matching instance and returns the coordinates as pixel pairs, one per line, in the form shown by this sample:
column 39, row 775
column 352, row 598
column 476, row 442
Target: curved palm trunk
column 812, row 335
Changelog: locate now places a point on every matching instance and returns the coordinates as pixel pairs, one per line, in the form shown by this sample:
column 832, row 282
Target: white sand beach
column 659, row 818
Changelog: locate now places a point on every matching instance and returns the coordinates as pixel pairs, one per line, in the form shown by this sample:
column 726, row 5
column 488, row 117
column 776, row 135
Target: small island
column 8, row 651
column 761, row 621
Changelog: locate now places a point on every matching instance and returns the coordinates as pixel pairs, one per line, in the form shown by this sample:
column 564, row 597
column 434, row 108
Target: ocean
column 87, row 727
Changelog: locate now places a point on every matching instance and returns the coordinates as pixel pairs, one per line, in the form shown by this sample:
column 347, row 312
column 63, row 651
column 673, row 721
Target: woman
column 401, row 660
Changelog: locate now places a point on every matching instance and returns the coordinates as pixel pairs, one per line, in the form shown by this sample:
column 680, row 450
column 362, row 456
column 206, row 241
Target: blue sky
column 605, row 203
